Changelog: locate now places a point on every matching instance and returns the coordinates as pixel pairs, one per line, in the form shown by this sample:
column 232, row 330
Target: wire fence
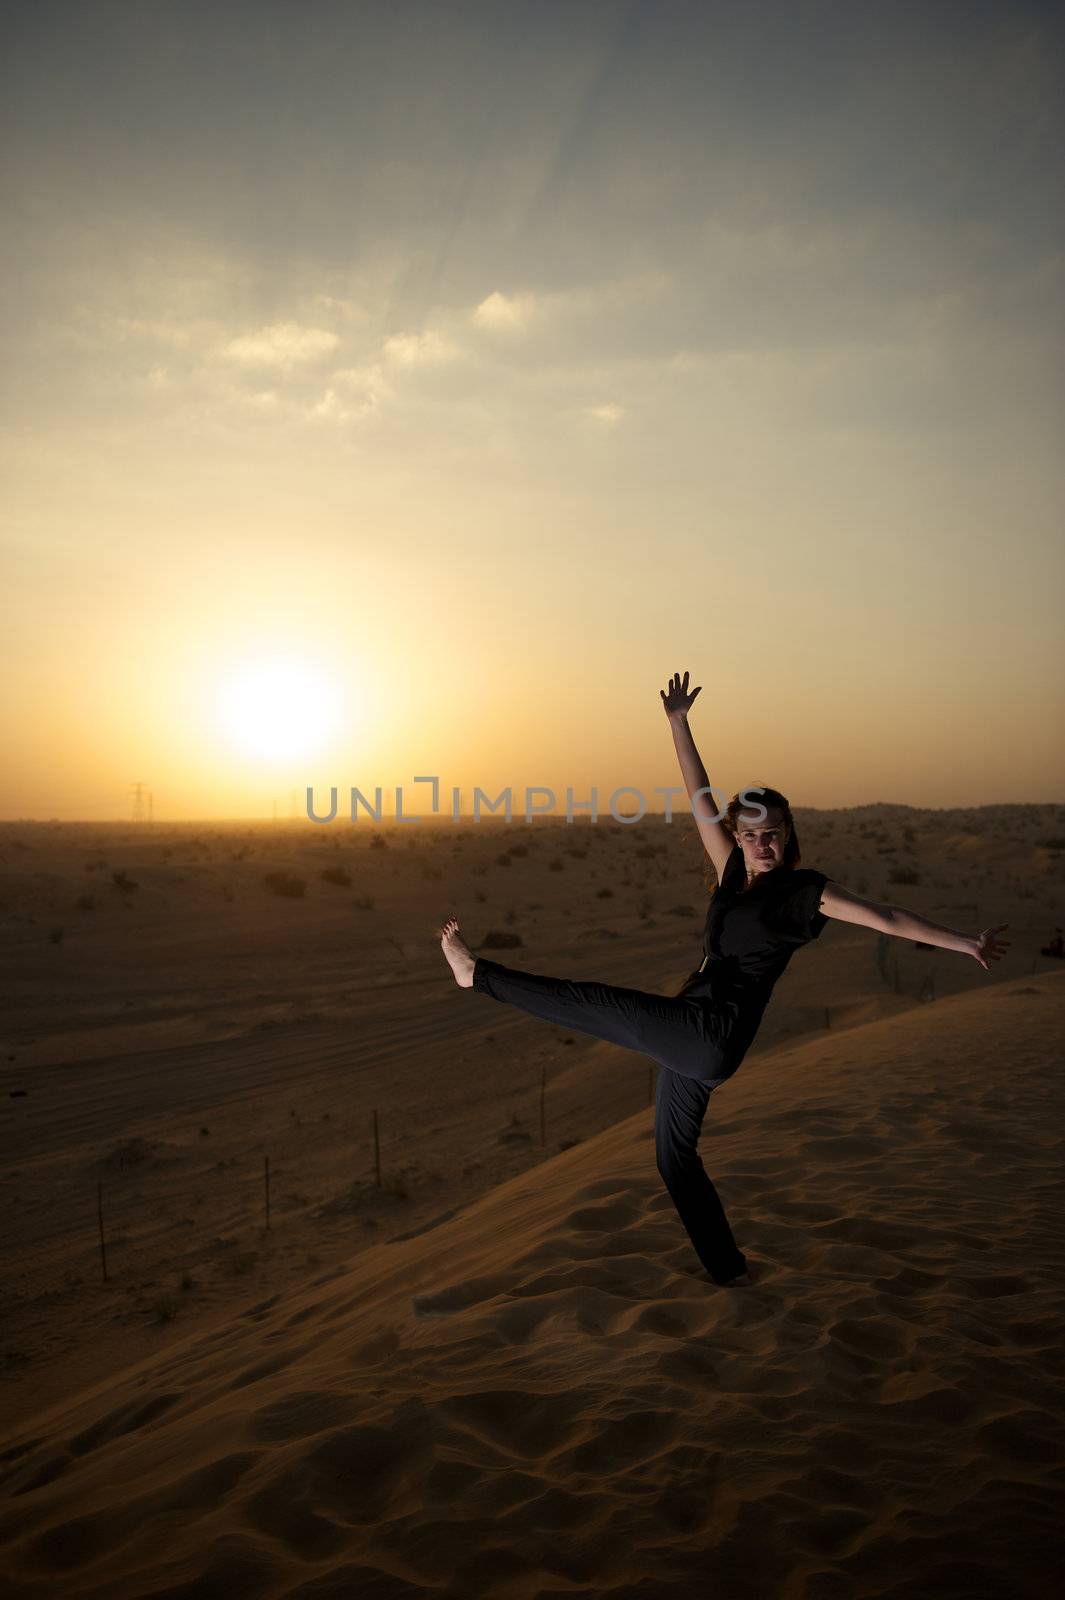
column 151, row 1207
column 124, row 1215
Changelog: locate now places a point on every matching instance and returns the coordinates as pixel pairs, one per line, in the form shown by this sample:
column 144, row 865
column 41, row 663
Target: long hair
column 742, row 806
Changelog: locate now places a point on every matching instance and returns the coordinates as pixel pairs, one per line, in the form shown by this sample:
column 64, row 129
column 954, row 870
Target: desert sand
column 501, row 1370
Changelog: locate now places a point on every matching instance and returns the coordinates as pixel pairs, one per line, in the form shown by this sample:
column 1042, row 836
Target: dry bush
column 286, row 884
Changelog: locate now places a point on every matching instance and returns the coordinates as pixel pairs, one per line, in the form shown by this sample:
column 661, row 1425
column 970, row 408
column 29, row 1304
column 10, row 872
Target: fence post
column 266, row 1161
column 100, row 1216
column 377, row 1149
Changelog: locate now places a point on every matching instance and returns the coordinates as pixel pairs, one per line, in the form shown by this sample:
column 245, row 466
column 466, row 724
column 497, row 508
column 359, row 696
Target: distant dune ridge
column 536, row 1391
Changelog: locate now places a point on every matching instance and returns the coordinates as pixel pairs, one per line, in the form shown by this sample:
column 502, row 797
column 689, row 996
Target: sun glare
column 277, row 709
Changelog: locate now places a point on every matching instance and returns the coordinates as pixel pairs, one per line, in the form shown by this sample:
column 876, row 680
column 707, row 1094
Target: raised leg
column 688, row 1036
column 680, row 1105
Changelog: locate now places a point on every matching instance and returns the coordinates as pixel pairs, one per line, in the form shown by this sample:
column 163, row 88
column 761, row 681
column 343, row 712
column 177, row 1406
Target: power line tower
column 151, row 805
column 138, row 801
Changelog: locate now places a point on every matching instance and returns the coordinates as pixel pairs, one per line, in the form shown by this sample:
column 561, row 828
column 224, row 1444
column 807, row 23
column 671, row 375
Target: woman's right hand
column 676, row 701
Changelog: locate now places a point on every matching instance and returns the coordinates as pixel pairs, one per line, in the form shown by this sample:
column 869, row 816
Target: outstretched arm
column 984, row 947
column 717, row 840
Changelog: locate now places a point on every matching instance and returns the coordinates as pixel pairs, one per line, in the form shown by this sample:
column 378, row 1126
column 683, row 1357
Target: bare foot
column 460, row 956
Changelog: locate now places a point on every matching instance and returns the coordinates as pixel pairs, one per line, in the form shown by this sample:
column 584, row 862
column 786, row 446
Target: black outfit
column 698, row 1036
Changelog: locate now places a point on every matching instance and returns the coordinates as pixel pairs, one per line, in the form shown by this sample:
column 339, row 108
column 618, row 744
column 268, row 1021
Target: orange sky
column 409, row 395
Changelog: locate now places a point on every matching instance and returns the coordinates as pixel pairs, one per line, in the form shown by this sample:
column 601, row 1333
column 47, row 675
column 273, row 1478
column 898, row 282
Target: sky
column 397, row 389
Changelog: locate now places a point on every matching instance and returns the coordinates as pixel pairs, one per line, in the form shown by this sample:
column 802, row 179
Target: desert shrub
column 901, row 874
column 286, row 884
column 503, row 860
column 379, row 842
column 364, row 902
column 166, row 1308
column 498, row 939
column 55, row 936
column 123, row 881
column 337, row 875
column 127, row 1153
column 604, row 894
column 557, row 865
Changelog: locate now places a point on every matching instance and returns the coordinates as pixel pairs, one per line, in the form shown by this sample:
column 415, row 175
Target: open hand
column 677, row 702
column 989, row 948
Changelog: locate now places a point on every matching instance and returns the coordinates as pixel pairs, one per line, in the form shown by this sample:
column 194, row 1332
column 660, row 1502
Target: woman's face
column 763, row 842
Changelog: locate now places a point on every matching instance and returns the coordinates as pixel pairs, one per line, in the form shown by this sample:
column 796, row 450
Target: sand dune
column 170, row 1022
column 543, row 1395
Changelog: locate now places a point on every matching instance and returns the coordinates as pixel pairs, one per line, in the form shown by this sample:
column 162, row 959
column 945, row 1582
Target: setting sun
column 278, row 709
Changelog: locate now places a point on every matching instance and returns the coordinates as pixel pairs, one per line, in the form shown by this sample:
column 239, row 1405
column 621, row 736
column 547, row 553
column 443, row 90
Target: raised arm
column 716, row 838
column 838, row 902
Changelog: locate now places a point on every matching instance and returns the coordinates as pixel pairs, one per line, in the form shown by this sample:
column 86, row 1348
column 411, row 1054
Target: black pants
column 696, row 1041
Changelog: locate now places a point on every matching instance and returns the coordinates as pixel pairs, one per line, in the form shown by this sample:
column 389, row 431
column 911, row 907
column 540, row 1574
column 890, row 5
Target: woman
column 764, row 908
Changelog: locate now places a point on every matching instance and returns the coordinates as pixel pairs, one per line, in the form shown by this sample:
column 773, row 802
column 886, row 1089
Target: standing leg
column 689, row 1036
column 680, row 1104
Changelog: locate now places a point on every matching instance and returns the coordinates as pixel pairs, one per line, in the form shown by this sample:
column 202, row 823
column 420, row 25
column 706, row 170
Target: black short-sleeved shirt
column 750, row 937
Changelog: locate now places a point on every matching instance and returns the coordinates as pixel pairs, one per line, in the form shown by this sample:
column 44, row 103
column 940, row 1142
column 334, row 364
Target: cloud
column 417, row 349
column 608, row 414
column 353, row 394
column 517, row 313
column 282, row 345
column 339, row 307
column 505, row 313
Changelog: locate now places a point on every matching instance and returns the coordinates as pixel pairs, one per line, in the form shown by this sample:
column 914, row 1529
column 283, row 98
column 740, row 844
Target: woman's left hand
column 989, row 948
